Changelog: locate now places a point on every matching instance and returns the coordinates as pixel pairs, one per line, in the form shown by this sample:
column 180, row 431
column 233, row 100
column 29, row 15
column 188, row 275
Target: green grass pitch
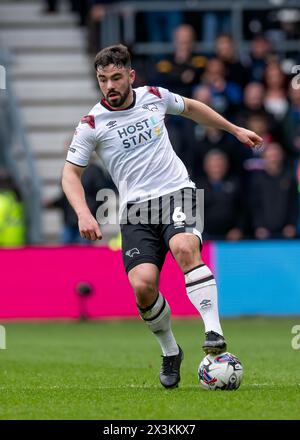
column 109, row 370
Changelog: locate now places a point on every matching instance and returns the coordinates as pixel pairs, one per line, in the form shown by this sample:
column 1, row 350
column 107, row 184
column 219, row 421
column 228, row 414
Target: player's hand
column 89, row 227
column 249, row 138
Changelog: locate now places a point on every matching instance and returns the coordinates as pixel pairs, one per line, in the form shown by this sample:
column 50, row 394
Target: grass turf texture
column 109, row 370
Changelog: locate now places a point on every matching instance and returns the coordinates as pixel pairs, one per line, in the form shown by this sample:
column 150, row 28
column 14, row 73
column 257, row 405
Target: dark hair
column 118, row 55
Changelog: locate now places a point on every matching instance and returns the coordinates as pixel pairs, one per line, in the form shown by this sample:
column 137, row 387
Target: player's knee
column 183, row 252
column 143, row 286
column 186, row 255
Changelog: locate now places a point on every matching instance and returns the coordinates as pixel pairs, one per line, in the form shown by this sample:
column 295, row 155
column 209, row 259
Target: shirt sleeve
column 83, row 142
column 174, row 102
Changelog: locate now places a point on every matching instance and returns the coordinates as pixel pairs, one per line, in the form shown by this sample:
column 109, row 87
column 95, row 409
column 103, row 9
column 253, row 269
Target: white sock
column 202, row 292
column 158, row 318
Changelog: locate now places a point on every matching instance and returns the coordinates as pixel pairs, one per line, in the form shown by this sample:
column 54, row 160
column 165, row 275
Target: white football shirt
column 134, row 145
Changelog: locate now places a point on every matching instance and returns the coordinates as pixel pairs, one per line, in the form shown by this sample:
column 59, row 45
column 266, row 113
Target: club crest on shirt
column 151, row 107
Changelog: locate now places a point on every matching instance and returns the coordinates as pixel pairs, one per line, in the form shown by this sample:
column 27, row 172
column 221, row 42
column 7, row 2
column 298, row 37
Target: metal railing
column 17, row 155
column 120, row 22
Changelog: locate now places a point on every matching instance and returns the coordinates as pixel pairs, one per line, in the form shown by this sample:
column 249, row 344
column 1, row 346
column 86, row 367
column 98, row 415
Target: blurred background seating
column 237, row 56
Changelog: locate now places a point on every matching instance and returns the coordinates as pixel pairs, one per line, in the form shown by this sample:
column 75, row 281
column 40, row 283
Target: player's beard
column 120, row 101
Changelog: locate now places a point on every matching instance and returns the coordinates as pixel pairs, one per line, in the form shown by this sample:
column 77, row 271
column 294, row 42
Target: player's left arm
column 203, row 114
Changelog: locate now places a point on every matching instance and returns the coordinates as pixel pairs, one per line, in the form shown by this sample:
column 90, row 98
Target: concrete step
column 52, row 221
column 30, row 14
column 49, row 170
column 43, row 39
column 52, row 236
column 49, row 144
column 53, row 118
column 60, row 91
column 51, row 192
column 52, row 66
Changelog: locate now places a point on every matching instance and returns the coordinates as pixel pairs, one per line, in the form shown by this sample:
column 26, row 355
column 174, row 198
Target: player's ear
column 132, row 76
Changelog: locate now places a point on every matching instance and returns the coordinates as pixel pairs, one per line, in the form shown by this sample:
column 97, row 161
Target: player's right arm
column 79, row 153
column 72, row 186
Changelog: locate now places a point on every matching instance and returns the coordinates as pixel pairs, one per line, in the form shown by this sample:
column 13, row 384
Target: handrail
column 18, row 155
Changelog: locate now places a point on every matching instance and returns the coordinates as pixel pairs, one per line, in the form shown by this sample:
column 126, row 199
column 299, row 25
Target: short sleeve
column 174, row 102
column 83, row 142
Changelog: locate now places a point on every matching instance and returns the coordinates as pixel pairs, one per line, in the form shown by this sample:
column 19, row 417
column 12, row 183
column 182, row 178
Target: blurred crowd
column 248, row 194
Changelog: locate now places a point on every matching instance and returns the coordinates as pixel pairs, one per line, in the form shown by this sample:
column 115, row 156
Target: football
column 220, row 372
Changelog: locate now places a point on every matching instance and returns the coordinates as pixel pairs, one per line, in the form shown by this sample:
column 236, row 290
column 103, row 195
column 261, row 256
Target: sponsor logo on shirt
column 140, row 132
column 111, row 124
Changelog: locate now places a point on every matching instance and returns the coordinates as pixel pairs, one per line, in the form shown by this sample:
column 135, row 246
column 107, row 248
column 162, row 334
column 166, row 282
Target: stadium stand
column 53, row 84
column 246, row 76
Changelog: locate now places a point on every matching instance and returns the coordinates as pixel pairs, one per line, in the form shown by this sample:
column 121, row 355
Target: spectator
column 226, row 95
column 274, row 198
column 254, row 94
column 288, row 129
column 234, row 69
column 95, row 15
column 275, row 101
column 181, row 71
column 12, row 215
column 197, row 140
column 216, row 139
column 259, row 122
column 260, row 53
column 188, row 138
column 223, row 199
column 253, row 104
column 294, row 129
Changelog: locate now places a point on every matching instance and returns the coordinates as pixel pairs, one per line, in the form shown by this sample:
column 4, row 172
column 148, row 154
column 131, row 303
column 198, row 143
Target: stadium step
column 52, row 66
column 52, row 221
column 50, row 144
column 53, row 117
column 74, row 91
column 33, row 40
column 31, row 15
column 52, row 227
column 54, row 82
column 50, row 169
column 51, row 191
